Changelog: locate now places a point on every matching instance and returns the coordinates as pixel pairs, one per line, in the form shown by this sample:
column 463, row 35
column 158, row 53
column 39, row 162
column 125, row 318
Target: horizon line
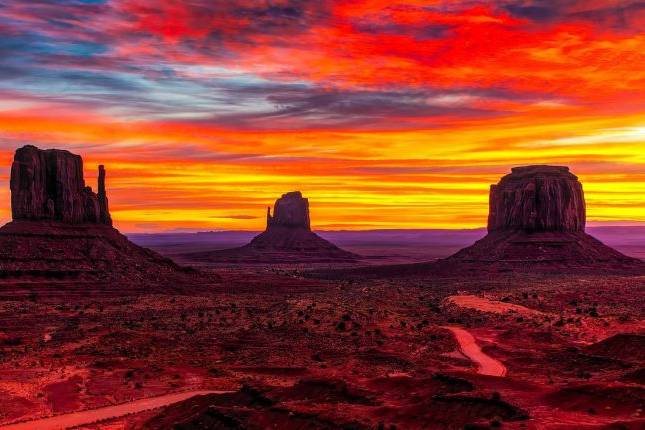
column 594, row 224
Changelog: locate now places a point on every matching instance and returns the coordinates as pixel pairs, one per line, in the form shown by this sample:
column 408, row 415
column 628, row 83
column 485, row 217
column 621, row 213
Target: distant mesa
column 537, row 221
column 287, row 239
column 62, row 231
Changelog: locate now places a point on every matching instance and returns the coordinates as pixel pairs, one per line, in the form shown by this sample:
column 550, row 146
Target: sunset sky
column 386, row 114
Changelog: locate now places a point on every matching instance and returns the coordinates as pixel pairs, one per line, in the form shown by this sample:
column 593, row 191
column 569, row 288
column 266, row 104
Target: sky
column 385, row 114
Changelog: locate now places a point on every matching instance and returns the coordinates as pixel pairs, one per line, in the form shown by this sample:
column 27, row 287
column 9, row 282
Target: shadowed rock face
column 287, row 239
column 62, row 231
column 289, row 230
column 537, row 222
column 537, row 199
column 49, row 185
column 104, row 211
column 291, row 211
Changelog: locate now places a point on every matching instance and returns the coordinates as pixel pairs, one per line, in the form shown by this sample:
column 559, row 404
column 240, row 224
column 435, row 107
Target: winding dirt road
column 486, row 365
column 75, row 419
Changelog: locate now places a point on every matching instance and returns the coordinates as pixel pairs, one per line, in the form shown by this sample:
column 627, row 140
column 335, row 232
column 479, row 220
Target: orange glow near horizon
column 435, row 178
column 385, row 114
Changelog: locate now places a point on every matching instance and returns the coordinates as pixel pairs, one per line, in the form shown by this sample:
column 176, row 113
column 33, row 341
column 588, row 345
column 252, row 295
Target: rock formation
column 49, row 185
column 104, row 211
column 290, row 227
column 62, row 232
column 287, row 239
column 537, row 221
column 290, row 211
column 537, row 198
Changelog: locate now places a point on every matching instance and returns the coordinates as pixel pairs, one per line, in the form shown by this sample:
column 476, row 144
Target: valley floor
column 530, row 352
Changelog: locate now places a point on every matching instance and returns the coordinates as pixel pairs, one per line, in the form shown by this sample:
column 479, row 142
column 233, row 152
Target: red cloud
column 175, row 20
column 558, row 48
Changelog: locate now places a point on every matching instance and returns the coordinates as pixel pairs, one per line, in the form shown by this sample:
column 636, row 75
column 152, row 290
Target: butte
column 536, row 221
column 287, row 239
column 536, row 224
column 62, row 235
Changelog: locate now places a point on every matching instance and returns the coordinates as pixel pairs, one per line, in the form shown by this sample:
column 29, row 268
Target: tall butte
column 536, row 220
column 287, row 239
column 537, row 199
column 49, row 185
column 62, row 233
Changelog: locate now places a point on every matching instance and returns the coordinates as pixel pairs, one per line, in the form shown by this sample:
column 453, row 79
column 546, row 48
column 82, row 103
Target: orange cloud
column 436, row 177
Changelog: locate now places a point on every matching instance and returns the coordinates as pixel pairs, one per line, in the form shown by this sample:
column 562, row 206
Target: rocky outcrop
column 537, row 199
column 104, row 211
column 536, row 223
column 287, row 239
column 289, row 232
column 290, row 211
column 62, row 235
column 49, row 185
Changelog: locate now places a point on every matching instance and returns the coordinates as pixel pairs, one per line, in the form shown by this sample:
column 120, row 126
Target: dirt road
column 486, row 365
column 75, row 419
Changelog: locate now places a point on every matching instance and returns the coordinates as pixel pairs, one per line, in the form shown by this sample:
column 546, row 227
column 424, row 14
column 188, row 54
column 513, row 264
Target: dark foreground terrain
column 273, row 349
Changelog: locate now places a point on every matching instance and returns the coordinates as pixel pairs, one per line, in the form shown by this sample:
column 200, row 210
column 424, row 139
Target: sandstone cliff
column 291, row 211
column 537, row 198
column 61, row 236
column 537, row 222
column 287, row 239
column 49, row 185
